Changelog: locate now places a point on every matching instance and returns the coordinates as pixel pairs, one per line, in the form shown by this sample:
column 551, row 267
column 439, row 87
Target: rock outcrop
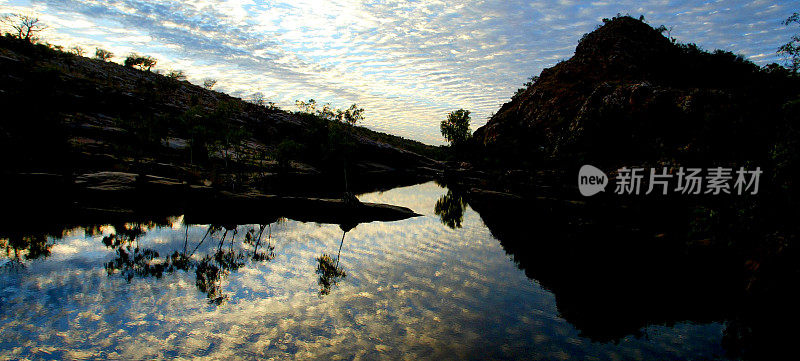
column 630, row 94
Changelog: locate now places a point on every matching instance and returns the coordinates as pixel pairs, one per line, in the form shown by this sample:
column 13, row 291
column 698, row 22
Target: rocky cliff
column 630, row 94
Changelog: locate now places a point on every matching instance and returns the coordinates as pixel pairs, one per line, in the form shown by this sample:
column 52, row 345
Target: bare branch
column 26, row 27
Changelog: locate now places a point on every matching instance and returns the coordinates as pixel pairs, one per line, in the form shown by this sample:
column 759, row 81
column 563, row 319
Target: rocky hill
column 71, row 116
column 630, row 95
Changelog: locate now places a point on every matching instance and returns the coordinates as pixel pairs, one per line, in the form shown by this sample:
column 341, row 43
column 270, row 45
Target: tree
column 176, row 75
column 77, row 50
column 142, row 62
column 214, row 132
column 329, row 273
column 102, row 54
column 450, row 209
column 792, row 49
column 352, row 115
column 455, row 128
column 26, row 27
column 309, row 107
column 209, row 83
column 527, row 85
column 258, row 99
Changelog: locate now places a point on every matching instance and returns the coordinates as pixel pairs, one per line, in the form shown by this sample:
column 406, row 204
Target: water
column 411, row 289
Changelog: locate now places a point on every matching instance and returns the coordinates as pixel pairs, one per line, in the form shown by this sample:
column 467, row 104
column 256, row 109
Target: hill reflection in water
column 412, row 288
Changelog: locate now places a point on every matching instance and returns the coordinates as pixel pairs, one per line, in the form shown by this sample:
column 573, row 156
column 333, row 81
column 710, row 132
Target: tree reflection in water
column 329, row 270
column 20, row 247
column 210, row 270
column 255, row 241
column 450, row 209
column 131, row 260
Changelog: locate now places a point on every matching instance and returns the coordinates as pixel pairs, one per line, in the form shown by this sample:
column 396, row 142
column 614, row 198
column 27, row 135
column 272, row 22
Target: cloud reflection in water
column 414, row 288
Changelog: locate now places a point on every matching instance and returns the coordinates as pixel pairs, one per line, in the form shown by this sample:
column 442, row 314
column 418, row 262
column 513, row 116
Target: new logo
column 591, row 180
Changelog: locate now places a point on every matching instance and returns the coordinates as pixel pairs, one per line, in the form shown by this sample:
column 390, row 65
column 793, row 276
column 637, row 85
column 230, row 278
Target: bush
column 102, row 54
column 176, row 75
column 209, row 83
column 77, row 50
column 143, row 62
column 258, row 99
column 532, row 80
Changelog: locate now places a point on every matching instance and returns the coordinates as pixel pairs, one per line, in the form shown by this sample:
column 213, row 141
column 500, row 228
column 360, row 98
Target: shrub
column 77, row 50
column 209, row 83
column 143, row 62
column 176, row 75
column 257, row 99
column 102, row 54
column 532, row 80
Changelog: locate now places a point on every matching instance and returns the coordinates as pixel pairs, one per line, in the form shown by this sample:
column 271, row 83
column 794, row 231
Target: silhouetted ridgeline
column 631, row 95
column 69, row 115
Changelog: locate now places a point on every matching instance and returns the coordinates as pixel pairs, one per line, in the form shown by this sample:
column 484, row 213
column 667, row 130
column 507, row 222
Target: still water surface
column 411, row 289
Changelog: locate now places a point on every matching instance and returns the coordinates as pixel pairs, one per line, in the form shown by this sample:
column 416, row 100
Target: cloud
column 414, row 289
column 406, row 63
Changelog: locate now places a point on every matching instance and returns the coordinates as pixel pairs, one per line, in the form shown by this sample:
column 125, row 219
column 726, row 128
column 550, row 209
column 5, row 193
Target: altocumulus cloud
column 407, row 63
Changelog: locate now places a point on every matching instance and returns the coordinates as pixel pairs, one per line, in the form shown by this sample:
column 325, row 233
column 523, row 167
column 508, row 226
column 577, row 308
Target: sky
column 407, row 63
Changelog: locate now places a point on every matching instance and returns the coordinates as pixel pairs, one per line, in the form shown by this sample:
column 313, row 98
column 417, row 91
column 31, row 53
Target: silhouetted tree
column 335, row 126
column 351, row 115
column 77, row 50
column 532, row 80
column 102, row 54
column 455, row 128
column 258, row 99
column 792, row 49
column 176, row 75
column 209, row 83
column 309, row 107
column 26, row 27
column 142, row 62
